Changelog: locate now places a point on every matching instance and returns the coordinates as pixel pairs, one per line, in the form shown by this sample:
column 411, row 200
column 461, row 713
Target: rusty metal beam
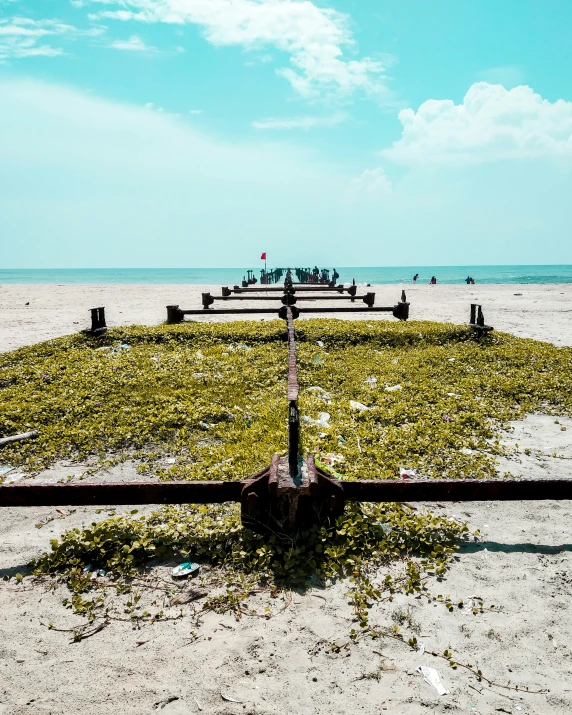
column 16, row 495
column 279, row 297
column 297, row 288
column 293, row 388
column 347, row 309
column 458, row 490
column 292, row 394
column 246, row 311
column 114, row 493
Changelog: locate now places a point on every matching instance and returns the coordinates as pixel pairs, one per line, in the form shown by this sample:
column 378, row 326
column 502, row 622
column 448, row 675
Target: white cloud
column 371, row 184
column 20, row 48
column 299, row 122
column 196, row 111
column 314, row 37
column 133, row 44
column 491, row 124
column 20, row 37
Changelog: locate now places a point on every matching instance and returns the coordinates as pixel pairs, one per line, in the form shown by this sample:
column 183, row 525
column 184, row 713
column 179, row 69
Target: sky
column 194, row 133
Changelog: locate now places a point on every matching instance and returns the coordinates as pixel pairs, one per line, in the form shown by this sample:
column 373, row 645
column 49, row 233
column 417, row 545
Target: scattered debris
column 358, row 406
column 162, row 703
column 185, row 569
column 393, row 388
column 316, row 388
column 18, row 437
column 322, row 421
column 386, row 528
column 408, row 474
column 229, row 699
column 321, row 393
column 431, row 676
column 332, row 459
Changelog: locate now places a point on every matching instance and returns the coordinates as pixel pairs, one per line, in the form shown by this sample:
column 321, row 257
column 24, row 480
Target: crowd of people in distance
column 468, row 280
column 322, row 276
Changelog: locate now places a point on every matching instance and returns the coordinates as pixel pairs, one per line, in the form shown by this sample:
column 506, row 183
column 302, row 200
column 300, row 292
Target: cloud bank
column 314, row 37
column 491, row 124
column 21, row 37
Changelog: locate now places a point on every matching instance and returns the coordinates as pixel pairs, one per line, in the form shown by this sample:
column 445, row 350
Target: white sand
column 542, row 312
column 522, row 563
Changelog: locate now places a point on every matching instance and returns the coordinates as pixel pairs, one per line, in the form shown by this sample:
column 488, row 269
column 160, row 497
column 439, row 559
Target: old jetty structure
column 290, row 493
column 318, row 276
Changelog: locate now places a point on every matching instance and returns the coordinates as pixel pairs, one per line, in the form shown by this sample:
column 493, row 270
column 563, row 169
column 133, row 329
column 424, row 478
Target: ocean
column 233, row 276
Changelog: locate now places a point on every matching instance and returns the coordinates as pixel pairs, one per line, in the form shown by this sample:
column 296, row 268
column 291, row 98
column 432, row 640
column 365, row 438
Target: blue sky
column 201, row 132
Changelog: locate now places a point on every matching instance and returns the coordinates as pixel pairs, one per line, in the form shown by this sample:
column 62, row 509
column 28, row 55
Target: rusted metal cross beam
column 391, row 490
column 295, row 288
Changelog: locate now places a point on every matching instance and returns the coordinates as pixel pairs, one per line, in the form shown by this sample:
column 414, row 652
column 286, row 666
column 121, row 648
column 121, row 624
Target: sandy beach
column 301, row 660
column 32, row 313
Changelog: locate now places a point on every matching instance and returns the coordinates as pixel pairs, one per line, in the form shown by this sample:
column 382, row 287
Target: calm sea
column 232, row 276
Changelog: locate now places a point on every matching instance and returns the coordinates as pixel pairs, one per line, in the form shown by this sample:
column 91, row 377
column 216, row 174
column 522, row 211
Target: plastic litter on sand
column 185, row 569
column 431, row 676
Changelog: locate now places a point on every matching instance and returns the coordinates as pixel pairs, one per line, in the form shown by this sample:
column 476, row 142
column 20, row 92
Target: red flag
column 263, row 256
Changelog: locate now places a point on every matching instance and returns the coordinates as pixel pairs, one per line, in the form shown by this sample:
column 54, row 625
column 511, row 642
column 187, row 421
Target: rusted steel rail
column 295, row 288
column 114, row 493
column 278, row 297
column 458, row 490
column 176, row 315
column 288, row 298
column 293, row 389
column 392, row 490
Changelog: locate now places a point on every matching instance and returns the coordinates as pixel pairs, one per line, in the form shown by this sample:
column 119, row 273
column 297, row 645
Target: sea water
column 233, row 276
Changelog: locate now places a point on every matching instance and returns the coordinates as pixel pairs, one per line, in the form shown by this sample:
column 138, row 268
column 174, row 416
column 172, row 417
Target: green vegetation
column 211, row 399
